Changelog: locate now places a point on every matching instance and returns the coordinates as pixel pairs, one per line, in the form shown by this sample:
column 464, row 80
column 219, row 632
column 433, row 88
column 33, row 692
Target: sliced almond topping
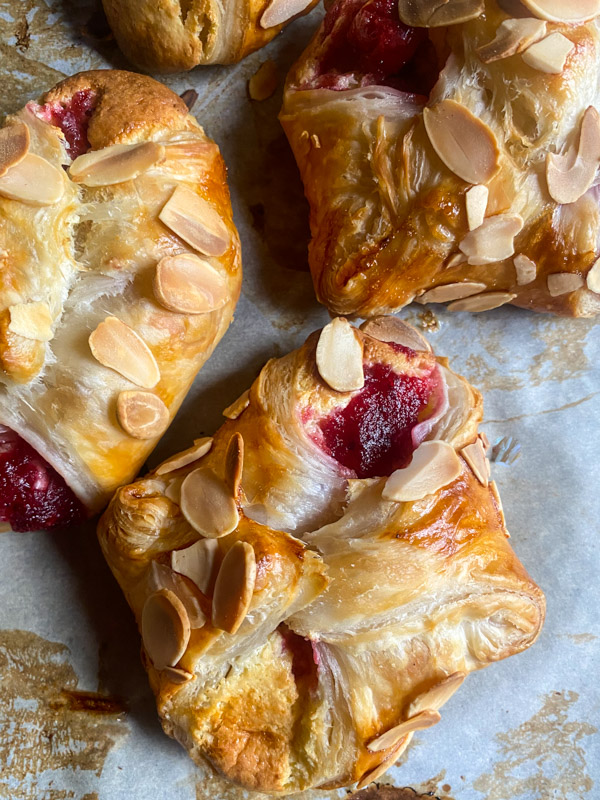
column 116, row 163
column 162, row 577
column 485, row 442
column 187, row 284
column 173, row 490
column 482, row 302
column 142, row 415
column 234, row 464
column 564, row 10
column 176, row 675
column 165, row 628
column 234, row 587
column 570, row 175
column 339, row 356
column 392, row 329
column 476, row 200
column 208, row 504
column 496, row 493
column 387, row 762
column 434, row 13
column 438, row 694
column 433, row 466
column 474, row 455
column 238, row 406
column 493, row 241
column 280, row 11
column 199, row 449
column 512, row 37
column 451, row 291
column 264, row 81
column 421, row 721
column 463, row 142
column 563, row 283
column 195, row 221
column 525, row 269
column 456, row 259
column 117, row 346
column 593, row 278
column 199, row 563
column 550, row 55
column 14, row 145
column 33, row 180
column 31, row 320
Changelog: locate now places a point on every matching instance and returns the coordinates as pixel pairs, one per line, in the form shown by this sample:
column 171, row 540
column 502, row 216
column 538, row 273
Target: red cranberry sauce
column 304, row 656
column 33, row 496
column 365, row 44
column 72, row 118
column 372, row 435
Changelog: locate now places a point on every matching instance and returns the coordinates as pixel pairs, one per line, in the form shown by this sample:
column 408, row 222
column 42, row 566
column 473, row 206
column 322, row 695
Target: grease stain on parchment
column 44, row 730
column 543, row 757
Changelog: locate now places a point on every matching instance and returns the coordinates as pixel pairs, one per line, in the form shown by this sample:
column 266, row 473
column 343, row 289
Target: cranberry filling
column 372, row 435
column 72, row 118
column 33, row 496
column 366, row 44
column 304, row 656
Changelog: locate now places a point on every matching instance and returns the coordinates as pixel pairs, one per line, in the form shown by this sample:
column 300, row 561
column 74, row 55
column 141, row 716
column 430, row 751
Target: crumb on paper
column 264, row 81
column 428, row 321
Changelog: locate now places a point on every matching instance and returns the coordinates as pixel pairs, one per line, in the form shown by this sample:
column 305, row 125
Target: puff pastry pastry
column 119, row 272
column 449, row 152
column 176, row 35
column 315, row 581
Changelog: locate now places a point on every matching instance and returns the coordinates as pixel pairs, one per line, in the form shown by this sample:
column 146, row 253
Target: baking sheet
column 77, row 719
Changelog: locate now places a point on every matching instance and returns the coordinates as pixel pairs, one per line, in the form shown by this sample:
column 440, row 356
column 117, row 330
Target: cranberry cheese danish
column 314, row 582
column 119, row 272
column 177, row 35
column 449, row 152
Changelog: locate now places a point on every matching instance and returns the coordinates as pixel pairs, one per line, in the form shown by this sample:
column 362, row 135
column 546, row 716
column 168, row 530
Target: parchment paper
column 525, row 728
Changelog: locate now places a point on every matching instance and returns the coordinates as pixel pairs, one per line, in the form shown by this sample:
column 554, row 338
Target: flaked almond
column 280, row 11
column 496, row 493
column 493, row 241
column 31, row 320
column 208, row 504
column 116, row 163
column 451, row 291
column 238, row 406
column 482, row 302
column 264, row 81
column 392, row 329
column 465, row 144
column 550, row 55
column 438, row 694
column 570, row 175
column 187, row 284
column 475, row 456
column 512, row 37
column 525, row 269
column 456, row 259
column 234, row 587
column 142, row 415
column 199, row 563
column 14, row 145
column 195, row 221
column 593, row 278
column 435, row 13
column 564, row 10
column 199, row 449
column 165, row 628
column 162, row 577
column 339, row 356
column 387, row 762
column 176, row 675
column 433, row 466
column 421, row 721
column 485, row 442
column 33, row 180
column 173, row 490
column 234, row 464
column 563, row 283
column 117, row 346
column 476, row 200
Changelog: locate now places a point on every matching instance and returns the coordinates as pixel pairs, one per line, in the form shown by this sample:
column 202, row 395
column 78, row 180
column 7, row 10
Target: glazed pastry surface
column 341, row 559
column 94, row 360
column 456, row 163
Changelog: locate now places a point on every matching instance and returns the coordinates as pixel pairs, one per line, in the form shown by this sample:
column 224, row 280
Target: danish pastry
column 176, row 35
column 449, row 153
column 119, row 272
column 317, row 579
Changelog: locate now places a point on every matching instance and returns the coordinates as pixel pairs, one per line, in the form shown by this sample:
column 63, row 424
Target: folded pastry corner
column 315, row 581
column 119, row 272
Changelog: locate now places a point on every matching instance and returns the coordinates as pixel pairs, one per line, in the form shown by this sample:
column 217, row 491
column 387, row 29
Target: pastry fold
column 367, row 611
